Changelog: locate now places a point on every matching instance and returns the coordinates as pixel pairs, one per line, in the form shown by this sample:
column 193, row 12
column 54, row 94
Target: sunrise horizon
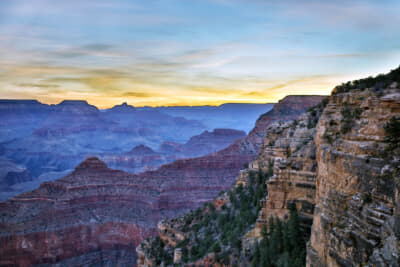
column 199, row 53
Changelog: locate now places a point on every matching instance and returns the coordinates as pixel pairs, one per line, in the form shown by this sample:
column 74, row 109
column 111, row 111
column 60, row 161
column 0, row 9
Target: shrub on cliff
column 378, row 82
column 392, row 138
column 349, row 115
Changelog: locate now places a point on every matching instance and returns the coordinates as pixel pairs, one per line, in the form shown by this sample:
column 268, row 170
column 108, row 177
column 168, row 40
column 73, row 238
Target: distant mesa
column 76, row 106
column 124, row 107
column 20, row 106
column 141, row 150
column 92, row 163
column 73, row 102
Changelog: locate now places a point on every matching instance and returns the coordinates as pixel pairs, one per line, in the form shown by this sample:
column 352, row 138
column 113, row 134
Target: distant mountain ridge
column 50, row 139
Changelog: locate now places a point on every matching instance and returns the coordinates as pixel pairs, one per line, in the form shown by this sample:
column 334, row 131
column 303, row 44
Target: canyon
column 50, row 140
column 98, row 215
column 337, row 166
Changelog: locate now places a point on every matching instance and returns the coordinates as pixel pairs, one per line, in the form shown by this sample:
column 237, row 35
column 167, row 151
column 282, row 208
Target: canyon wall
column 97, row 215
column 338, row 164
column 289, row 149
column 356, row 213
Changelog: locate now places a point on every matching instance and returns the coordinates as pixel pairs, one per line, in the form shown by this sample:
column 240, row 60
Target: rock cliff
column 291, row 151
column 356, row 214
column 338, row 165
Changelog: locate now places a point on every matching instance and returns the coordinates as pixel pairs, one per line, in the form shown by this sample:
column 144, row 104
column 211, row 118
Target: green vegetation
column 367, row 198
column 349, row 115
column 283, row 244
column 220, row 231
column 271, row 143
column 157, row 252
column 315, row 112
column 392, row 138
column 379, row 82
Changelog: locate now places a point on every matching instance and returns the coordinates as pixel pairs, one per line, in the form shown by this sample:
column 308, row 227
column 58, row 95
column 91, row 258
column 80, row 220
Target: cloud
column 38, row 85
column 138, row 94
column 97, row 50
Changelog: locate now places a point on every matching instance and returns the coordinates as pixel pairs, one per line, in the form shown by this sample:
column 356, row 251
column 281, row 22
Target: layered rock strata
column 357, row 191
column 290, row 150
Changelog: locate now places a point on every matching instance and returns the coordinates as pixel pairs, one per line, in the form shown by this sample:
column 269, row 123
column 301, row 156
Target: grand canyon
column 213, row 133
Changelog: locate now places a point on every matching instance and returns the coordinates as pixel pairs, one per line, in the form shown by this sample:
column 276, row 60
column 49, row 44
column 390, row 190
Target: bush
column 349, row 114
column 392, row 137
column 377, row 83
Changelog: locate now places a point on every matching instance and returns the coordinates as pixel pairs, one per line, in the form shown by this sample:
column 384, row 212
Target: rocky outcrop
column 289, row 108
column 289, row 149
column 357, row 191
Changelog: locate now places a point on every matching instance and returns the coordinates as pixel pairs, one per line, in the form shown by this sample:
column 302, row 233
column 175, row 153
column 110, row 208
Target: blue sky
column 191, row 52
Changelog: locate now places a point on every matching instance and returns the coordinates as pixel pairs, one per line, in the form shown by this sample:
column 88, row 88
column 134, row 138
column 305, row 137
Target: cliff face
column 357, row 191
column 290, row 149
column 338, row 165
column 287, row 109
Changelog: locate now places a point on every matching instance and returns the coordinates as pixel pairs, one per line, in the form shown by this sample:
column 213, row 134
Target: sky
column 191, row 52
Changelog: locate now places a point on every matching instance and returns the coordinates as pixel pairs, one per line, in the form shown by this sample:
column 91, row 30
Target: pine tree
column 256, row 255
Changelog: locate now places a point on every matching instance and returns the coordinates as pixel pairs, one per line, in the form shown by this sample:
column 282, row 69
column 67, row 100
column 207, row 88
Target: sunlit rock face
column 99, row 215
column 357, row 192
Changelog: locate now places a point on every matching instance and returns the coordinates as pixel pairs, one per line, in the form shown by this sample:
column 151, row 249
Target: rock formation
column 288, row 154
column 142, row 158
column 290, row 149
column 356, row 214
column 339, row 166
column 99, row 215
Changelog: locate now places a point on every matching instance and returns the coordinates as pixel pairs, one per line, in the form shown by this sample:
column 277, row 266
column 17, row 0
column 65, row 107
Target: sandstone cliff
column 356, row 214
column 291, row 150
